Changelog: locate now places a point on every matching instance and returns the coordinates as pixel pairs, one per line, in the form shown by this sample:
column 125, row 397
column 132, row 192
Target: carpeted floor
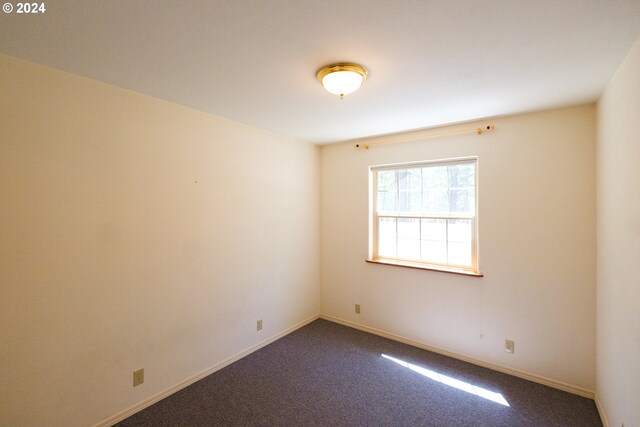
column 326, row 374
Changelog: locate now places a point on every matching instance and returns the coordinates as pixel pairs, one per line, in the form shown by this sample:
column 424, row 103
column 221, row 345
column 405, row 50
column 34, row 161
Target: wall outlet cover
column 509, row 346
column 138, row 377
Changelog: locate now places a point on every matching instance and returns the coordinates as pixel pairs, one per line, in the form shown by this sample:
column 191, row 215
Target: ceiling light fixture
column 342, row 78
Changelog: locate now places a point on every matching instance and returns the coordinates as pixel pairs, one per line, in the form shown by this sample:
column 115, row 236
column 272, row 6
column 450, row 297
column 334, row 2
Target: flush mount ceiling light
column 342, row 78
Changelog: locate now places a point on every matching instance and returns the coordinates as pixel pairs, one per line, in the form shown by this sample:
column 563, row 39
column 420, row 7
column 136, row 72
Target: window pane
column 434, row 229
column 387, row 247
column 434, row 252
column 387, row 191
column 459, row 230
column 434, row 177
column 434, row 189
column 409, row 238
column 459, row 253
column 434, row 240
column 462, row 175
column 387, row 237
column 462, row 201
column 408, row 228
column 410, row 190
column 460, row 238
column 462, row 188
column 403, row 187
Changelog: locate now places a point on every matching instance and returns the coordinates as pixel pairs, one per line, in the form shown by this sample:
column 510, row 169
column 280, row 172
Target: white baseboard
column 603, row 415
column 496, row 367
column 182, row 384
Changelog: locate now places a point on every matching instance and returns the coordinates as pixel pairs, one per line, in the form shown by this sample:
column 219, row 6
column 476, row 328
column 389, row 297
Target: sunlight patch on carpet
column 452, row 382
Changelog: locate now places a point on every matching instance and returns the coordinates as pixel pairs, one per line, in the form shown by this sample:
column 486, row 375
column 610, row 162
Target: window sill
column 419, row 266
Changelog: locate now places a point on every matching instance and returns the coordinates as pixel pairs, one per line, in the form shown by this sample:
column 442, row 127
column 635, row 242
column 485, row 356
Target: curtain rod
column 478, row 131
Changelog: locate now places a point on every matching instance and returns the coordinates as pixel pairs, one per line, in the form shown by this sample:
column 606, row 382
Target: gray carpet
column 326, row 374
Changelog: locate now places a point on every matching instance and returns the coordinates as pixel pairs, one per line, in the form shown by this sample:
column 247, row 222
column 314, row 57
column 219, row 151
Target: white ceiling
column 254, row 61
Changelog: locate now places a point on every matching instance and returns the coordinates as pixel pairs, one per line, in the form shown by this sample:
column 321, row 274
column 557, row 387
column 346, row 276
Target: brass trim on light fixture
column 342, row 66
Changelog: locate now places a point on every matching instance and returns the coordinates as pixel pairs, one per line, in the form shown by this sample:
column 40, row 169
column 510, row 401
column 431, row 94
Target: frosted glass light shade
column 342, row 79
column 342, row 82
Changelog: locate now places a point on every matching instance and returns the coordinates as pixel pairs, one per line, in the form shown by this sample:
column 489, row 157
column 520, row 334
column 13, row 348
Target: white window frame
column 374, row 217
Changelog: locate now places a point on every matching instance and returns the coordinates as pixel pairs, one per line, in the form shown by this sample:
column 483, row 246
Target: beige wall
column 537, row 248
column 618, row 351
column 137, row 233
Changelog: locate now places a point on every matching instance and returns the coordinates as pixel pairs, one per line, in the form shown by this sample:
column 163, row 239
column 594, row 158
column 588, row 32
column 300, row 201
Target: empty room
column 320, row 213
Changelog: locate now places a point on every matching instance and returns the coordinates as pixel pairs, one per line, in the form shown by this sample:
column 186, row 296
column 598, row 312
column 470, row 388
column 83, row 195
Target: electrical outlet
column 357, row 308
column 259, row 325
column 138, row 377
column 509, row 346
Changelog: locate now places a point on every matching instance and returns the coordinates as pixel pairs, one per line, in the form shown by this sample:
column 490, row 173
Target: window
column 424, row 215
